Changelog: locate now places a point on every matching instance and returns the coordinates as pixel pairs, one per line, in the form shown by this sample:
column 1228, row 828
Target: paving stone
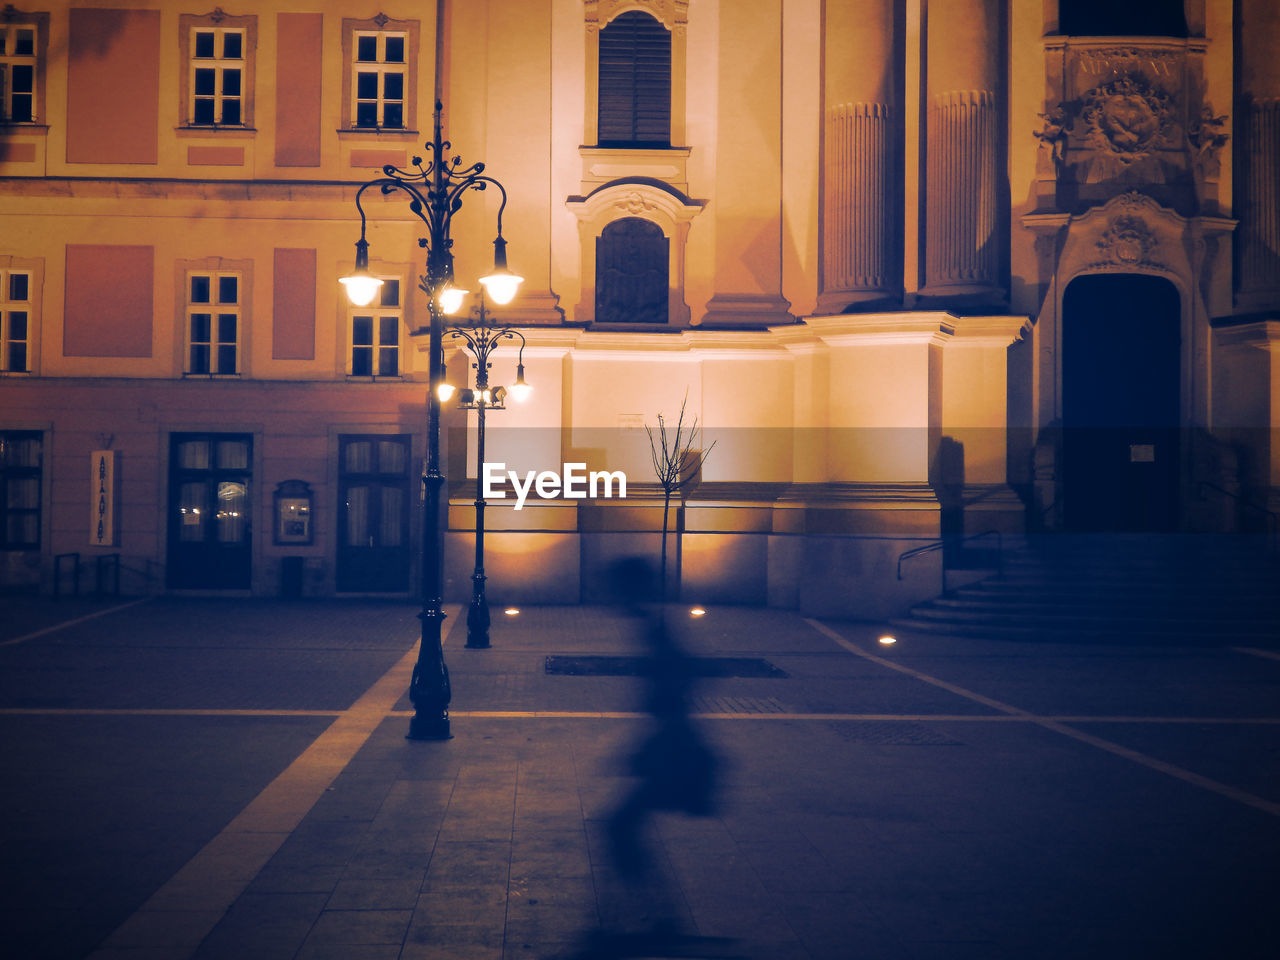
column 361, row 926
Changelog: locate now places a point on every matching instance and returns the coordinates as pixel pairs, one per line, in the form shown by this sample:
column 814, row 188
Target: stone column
column 1257, row 201
column 963, row 248
column 859, row 215
column 747, row 202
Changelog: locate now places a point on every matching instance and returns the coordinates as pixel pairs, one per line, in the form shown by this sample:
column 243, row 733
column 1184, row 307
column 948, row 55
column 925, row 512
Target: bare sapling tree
column 677, row 460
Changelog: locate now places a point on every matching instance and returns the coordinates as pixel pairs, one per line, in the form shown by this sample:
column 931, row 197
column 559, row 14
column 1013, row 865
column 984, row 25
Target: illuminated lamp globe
column 361, row 288
column 451, row 299
column 501, row 284
column 520, row 390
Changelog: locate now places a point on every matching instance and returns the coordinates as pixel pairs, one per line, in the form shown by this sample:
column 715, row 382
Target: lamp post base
column 429, row 728
column 478, row 624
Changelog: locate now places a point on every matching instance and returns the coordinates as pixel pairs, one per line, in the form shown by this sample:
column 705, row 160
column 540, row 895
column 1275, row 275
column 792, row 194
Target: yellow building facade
column 916, row 268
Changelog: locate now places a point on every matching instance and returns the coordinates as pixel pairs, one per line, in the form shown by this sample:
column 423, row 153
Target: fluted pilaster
column 961, row 250
column 858, row 218
column 1258, row 236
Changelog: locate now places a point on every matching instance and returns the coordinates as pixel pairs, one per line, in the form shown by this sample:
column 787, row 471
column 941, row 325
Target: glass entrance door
column 373, row 514
column 210, row 511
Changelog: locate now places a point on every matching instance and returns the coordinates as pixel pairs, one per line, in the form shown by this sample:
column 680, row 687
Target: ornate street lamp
column 435, row 194
column 482, row 339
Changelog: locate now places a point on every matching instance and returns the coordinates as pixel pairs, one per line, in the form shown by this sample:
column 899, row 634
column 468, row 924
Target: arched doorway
column 1121, row 410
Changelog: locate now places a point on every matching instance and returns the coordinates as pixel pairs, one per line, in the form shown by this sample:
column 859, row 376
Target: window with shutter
column 632, row 273
column 635, row 82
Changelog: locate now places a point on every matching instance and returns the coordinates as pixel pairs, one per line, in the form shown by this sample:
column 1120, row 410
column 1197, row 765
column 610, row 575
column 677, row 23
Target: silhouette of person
column 675, row 772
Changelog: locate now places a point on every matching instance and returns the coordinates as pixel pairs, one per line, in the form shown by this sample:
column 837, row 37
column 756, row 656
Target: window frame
column 377, row 313
column 184, row 307
column 12, row 20
column 6, row 474
column 34, row 272
column 672, row 14
column 7, row 311
column 219, row 24
column 381, row 27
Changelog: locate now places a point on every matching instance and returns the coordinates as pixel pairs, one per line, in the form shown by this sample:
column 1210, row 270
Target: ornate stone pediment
column 1131, row 232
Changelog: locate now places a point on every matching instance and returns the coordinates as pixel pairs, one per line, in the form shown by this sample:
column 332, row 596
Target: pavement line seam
column 186, row 909
column 72, row 623
column 1205, row 783
column 1255, row 652
column 620, row 715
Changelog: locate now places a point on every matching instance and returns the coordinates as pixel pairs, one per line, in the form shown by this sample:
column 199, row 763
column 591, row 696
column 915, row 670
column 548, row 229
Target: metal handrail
column 1273, row 518
column 940, row 544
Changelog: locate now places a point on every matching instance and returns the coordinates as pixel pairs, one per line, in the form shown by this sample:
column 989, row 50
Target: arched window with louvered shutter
column 635, row 82
column 632, row 275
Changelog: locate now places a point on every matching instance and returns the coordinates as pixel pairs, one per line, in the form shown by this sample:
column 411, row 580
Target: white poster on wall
column 102, row 501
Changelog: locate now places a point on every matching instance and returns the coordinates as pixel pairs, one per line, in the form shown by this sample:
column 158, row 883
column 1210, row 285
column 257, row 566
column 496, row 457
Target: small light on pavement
column 888, row 641
column 511, row 611
column 697, row 612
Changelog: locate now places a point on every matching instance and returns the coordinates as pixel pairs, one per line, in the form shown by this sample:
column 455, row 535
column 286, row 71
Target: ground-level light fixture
column 888, row 640
column 698, row 612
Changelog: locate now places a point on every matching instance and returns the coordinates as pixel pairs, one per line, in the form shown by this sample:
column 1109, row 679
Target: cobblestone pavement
column 206, row 779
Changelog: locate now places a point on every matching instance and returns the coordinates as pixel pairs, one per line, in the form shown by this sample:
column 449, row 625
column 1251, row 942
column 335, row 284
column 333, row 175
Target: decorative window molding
column 24, row 46
column 671, row 14
column 216, row 83
column 20, row 285
column 214, row 316
column 379, row 88
column 669, row 209
column 375, row 335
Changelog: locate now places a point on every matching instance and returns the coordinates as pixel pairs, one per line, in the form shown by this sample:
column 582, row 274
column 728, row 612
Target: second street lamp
column 482, row 339
column 435, row 192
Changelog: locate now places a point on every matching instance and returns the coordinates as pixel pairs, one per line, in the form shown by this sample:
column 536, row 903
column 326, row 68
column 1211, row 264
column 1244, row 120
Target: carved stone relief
column 1127, row 119
column 1127, row 241
column 1118, row 115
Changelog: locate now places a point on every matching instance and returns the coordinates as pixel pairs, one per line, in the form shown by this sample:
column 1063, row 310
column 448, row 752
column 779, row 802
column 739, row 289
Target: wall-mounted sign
column 102, row 498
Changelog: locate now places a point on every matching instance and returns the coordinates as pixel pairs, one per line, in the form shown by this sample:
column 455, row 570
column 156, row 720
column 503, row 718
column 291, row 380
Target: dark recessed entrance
column 1121, row 377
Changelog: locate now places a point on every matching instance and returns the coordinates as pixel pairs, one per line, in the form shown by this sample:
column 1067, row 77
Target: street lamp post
column 435, row 192
column 482, row 338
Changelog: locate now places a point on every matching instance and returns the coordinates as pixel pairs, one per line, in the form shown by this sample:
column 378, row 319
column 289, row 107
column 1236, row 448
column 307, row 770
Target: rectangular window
column 18, row 73
column 15, row 321
column 217, row 73
column 375, row 335
column 20, row 481
column 379, row 78
column 213, row 323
